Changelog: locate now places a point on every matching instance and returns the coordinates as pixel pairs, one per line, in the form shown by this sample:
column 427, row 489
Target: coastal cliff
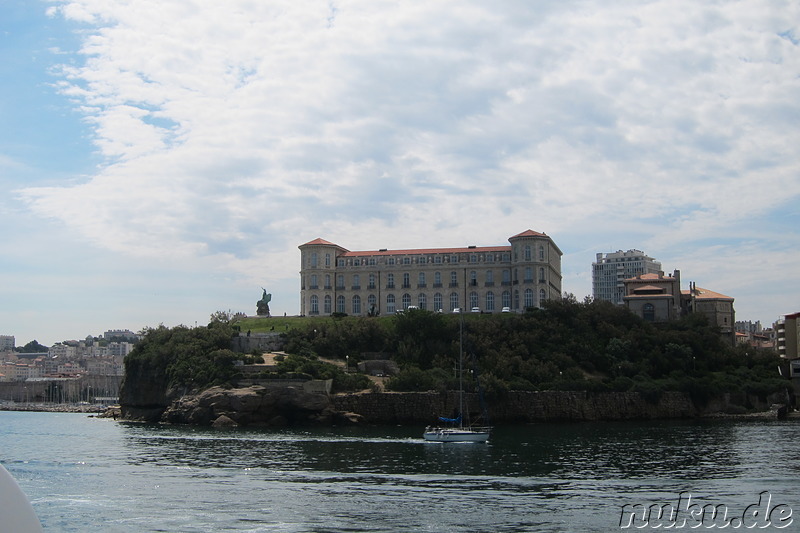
column 260, row 406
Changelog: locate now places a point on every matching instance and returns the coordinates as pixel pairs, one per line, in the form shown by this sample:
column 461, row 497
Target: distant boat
column 455, row 430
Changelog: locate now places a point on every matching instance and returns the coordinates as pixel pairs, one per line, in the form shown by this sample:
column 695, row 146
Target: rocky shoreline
column 277, row 407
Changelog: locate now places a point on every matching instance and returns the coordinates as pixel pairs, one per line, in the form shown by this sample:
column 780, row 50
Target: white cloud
column 235, row 131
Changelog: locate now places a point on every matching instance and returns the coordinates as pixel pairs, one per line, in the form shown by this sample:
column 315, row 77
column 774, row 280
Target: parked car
column 505, row 310
column 475, row 310
column 457, row 310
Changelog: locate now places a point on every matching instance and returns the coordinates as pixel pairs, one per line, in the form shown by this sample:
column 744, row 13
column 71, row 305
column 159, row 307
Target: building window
column 490, row 258
column 541, row 253
column 340, row 281
column 356, row 305
column 390, row 261
column 421, row 279
column 340, row 262
column 406, row 280
column 422, row 301
column 541, row 275
column 314, row 305
column 327, row 260
column 356, row 282
column 649, row 312
column 390, row 281
column 406, row 300
column 327, row 281
column 422, row 260
column 313, row 259
column 453, row 300
column 454, row 259
column 437, row 301
column 340, row 304
column 406, row 260
column 473, row 258
column 390, row 303
column 372, row 261
column 372, row 303
column 506, row 257
column 473, row 299
column 506, row 299
column 516, row 299
column 489, row 277
column 314, row 281
column 542, row 296
column 528, row 255
column 528, row 274
column 473, row 279
column 356, row 262
column 528, row 298
column 454, row 279
column 371, row 281
column 327, row 304
column 506, row 277
column 490, row 301
column 437, row 279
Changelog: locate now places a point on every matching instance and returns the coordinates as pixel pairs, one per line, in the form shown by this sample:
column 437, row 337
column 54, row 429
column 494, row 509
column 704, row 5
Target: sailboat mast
column 461, row 370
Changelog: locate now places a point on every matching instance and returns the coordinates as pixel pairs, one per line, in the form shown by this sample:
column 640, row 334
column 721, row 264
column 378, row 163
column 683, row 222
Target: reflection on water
column 86, row 474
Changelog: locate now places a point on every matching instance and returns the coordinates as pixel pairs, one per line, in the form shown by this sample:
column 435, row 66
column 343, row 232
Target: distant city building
column 658, row 298
column 120, row 334
column 654, row 297
column 787, row 332
column 747, row 326
column 7, row 343
column 517, row 276
column 611, row 270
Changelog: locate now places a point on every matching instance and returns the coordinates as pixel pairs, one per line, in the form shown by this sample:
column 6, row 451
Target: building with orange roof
column 516, row 276
column 659, row 298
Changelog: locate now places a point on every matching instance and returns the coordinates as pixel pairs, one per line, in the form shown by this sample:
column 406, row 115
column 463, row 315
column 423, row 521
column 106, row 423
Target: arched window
column 528, row 298
column 371, row 281
column 541, row 275
column 406, row 280
column 327, row 260
column 422, row 301
column 327, row 304
column 390, row 303
column 473, row 279
column 437, row 279
column 340, row 304
column 528, row 256
column 490, row 301
column 506, row 299
column 437, row 301
column 473, row 299
column 454, row 279
column 453, row 300
column 421, row 279
column 390, row 281
column 649, row 312
column 516, row 299
column 541, row 253
column 356, row 305
column 314, row 305
column 372, row 303
column 506, row 277
column 327, row 281
column 542, row 296
column 356, row 282
column 406, row 300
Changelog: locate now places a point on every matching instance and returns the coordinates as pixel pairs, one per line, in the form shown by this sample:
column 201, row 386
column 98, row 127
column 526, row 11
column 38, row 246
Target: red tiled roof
column 319, row 241
column 424, row 251
column 529, row 233
column 700, row 292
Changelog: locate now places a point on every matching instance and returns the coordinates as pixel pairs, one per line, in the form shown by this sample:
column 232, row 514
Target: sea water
column 91, row 474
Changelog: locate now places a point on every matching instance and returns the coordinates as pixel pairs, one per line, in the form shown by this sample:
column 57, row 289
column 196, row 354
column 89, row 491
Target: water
column 89, row 474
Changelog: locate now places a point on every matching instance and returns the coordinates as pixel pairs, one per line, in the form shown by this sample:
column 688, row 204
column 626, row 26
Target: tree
column 32, row 347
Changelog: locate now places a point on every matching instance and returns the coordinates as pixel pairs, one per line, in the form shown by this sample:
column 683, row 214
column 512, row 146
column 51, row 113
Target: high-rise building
column 611, row 270
column 7, row 343
column 517, row 276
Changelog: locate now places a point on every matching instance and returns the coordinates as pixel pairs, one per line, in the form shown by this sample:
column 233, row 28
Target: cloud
column 237, row 130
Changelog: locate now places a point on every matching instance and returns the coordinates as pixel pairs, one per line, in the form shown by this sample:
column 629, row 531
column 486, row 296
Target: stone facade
column 517, row 276
column 611, row 270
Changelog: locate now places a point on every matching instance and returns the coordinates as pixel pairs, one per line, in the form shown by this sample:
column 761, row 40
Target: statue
column 262, row 306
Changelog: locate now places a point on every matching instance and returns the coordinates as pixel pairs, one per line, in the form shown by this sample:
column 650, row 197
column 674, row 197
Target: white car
column 475, row 310
column 505, row 310
column 457, row 310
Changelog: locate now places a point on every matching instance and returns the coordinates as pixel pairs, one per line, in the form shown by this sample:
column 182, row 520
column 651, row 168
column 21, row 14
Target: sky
column 162, row 160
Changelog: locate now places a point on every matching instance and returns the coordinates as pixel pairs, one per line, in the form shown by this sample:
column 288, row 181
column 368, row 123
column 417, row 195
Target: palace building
column 511, row 277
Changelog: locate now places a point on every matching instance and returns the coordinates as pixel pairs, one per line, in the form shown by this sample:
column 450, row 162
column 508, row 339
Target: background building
column 517, row 276
column 7, row 343
column 788, row 331
column 654, row 297
column 611, row 270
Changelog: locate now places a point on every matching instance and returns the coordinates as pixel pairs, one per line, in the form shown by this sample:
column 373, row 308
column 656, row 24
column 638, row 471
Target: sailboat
column 455, row 430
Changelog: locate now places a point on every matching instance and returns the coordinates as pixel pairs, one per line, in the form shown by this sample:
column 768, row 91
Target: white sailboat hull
column 456, row 435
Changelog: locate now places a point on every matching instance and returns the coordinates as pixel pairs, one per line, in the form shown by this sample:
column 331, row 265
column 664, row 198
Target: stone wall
column 515, row 407
column 261, row 342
